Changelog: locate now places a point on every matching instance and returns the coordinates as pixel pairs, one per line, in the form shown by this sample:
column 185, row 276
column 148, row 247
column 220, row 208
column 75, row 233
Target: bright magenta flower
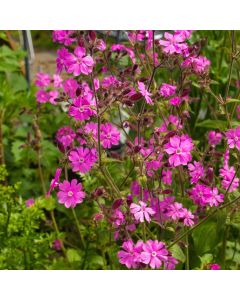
column 109, row 135
column 42, row 96
column 154, row 254
column 29, row 202
column 179, row 148
column 63, row 37
column 196, row 171
column 79, row 63
column 42, row 80
column 130, row 255
column 173, row 43
column 82, row 159
column 70, row 193
column 167, row 90
column 175, row 101
column 215, row 267
column 81, row 109
column 141, row 212
column 65, row 137
column 233, row 138
column 55, row 181
column 214, row 137
column 145, row 93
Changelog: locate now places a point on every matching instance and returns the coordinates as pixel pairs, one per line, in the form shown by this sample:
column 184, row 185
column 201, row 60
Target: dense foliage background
column 29, row 156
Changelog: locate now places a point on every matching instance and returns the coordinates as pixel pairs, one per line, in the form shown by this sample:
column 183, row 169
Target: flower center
column 81, row 160
column 236, row 139
column 70, row 193
column 154, row 253
column 178, row 150
column 109, row 135
column 81, row 109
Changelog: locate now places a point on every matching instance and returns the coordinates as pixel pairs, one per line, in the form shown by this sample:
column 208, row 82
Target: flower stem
column 78, row 227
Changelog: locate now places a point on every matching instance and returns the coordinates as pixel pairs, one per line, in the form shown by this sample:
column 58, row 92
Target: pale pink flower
column 141, row 212
column 145, row 93
column 196, row 171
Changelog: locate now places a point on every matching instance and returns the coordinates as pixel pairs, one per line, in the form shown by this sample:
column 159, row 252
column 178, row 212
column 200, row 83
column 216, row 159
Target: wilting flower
column 70, row 193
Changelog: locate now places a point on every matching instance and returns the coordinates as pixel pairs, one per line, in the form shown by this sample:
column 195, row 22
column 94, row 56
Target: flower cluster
column 152, row 253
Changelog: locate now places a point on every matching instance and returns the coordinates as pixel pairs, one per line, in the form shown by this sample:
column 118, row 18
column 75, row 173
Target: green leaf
column 95, row 261
column 205, row 237
column 213, row 124
column 73, row 255
column 206, row 259
column 178, row 253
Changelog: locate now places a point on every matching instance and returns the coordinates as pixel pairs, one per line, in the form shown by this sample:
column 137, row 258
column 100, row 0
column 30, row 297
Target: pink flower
column 196, row 171
column 109, row 135
column 179, row 148
column 203, row 195
column 199, row 64
column 62, row 59
column 141, row 211
column 233, row 138
column 82, row 159
column 57, row 245
column 70, row 87
column 130, row 255
column 154, row 254
column 118, row 217
column 42, row 80
column 228, row 174
column 175, row 211
column 57, row 81
column 65, row 136
column 167, row 90
column 145, row 93
column 79, row 63
column 42, row 96
column 53, row 95
column 188, row 218
column 63, row 37
column 173, row 43
column 81, row 109
column 55, row 181
column 29, row 202
column 70, row 193
column 215, row 267
column 214, row 137
column 123, row 48
column 167, row 177
column 175, row 101
column 109, row 81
